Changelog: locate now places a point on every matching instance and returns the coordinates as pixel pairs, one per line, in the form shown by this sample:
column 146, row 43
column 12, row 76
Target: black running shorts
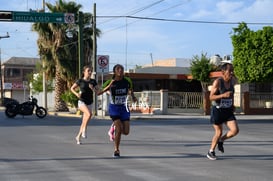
column 221, row 115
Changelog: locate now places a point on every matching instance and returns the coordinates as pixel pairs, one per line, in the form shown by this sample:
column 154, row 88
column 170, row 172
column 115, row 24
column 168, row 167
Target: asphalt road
column 34, row 149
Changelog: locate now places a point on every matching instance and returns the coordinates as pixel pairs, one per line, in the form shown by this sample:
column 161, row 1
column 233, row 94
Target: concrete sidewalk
column 157, row 116
column 139, row 116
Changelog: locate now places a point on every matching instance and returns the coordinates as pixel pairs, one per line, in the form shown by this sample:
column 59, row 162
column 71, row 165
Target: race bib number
column 225, row 103
column 120, row 99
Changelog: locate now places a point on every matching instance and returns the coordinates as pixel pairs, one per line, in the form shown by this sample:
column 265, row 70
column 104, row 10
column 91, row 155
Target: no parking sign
column 103, row 63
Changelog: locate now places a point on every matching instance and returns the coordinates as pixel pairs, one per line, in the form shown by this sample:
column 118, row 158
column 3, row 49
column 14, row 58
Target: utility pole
column 152, row 59
column 1, row 77
column 44, row 74
column 80, row 42
column 94, row 61
column 43, row 5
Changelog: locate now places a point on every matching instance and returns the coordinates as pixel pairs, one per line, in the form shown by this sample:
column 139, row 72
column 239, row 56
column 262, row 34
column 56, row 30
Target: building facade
column 15, row 72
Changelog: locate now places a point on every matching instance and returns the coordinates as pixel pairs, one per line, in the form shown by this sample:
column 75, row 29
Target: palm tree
column 58, row 48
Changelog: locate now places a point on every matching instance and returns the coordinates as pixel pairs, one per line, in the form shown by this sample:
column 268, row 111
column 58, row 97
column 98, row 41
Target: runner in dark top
column 83, row 88
column 222, row 97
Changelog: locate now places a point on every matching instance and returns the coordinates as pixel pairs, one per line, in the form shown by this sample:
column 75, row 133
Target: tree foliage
column 70, row 98
column 253, row 54
column 36, row 82
column 201, row 68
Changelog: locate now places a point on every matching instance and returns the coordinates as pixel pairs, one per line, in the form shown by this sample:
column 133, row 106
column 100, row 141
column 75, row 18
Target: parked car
column 8, row 100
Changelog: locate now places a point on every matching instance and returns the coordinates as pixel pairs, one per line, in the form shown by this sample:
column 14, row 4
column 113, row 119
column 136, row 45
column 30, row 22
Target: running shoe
column 211, row 155
column 111, row 133
column 116, row 154
column 84, row 135
column 78, row 141
column 220, row 146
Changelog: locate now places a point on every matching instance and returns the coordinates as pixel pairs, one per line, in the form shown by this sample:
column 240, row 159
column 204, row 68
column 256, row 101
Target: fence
column 185, row 100
column 260, row 100
column 181, row 102
column 177, row 102
column 147, row 101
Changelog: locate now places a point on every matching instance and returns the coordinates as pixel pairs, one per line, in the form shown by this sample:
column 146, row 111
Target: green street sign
column 34, row 16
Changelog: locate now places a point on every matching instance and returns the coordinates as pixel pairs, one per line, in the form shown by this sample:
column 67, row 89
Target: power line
column 185, row 21
column 133, row 12
column 122, row 16
column 146, row 7
column 163, row 10
column 171, row 7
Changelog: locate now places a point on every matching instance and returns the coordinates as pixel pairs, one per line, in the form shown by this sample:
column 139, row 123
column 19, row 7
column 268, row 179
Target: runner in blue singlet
column 119, row 88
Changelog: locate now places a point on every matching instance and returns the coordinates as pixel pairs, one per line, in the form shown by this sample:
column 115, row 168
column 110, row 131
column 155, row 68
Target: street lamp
column 1, row 78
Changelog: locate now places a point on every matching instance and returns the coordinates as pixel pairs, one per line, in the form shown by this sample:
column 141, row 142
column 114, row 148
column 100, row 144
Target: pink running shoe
column 111, row 133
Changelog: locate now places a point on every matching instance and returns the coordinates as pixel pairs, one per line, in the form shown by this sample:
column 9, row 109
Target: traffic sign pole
column 103, row 63
column 94, row 57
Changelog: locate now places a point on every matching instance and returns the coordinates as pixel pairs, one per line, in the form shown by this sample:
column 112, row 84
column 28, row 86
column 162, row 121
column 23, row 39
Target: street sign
column 69, row 18
column 34, row 16
column 8, row 86
column 103, row 63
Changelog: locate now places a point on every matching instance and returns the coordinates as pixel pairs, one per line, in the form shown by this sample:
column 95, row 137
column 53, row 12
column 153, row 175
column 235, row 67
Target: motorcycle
column 26, row 108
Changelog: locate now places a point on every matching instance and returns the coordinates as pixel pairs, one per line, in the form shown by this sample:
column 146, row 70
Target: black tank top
column 224, row 102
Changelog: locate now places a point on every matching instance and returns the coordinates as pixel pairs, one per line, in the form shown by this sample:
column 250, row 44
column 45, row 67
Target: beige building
column 171, row 62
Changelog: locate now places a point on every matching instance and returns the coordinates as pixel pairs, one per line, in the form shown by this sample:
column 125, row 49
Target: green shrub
column 70, row 98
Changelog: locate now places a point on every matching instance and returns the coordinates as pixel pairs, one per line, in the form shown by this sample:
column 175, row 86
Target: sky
column 132, row 41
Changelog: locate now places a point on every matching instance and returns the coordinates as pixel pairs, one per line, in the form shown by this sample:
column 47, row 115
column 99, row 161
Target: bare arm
column 133, row 95
column 106, row 88
column 215, row 87
column 73, row 90
column 94, row 88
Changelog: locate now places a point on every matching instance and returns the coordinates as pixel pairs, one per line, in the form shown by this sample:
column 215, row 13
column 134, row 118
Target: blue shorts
column 119, row 112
